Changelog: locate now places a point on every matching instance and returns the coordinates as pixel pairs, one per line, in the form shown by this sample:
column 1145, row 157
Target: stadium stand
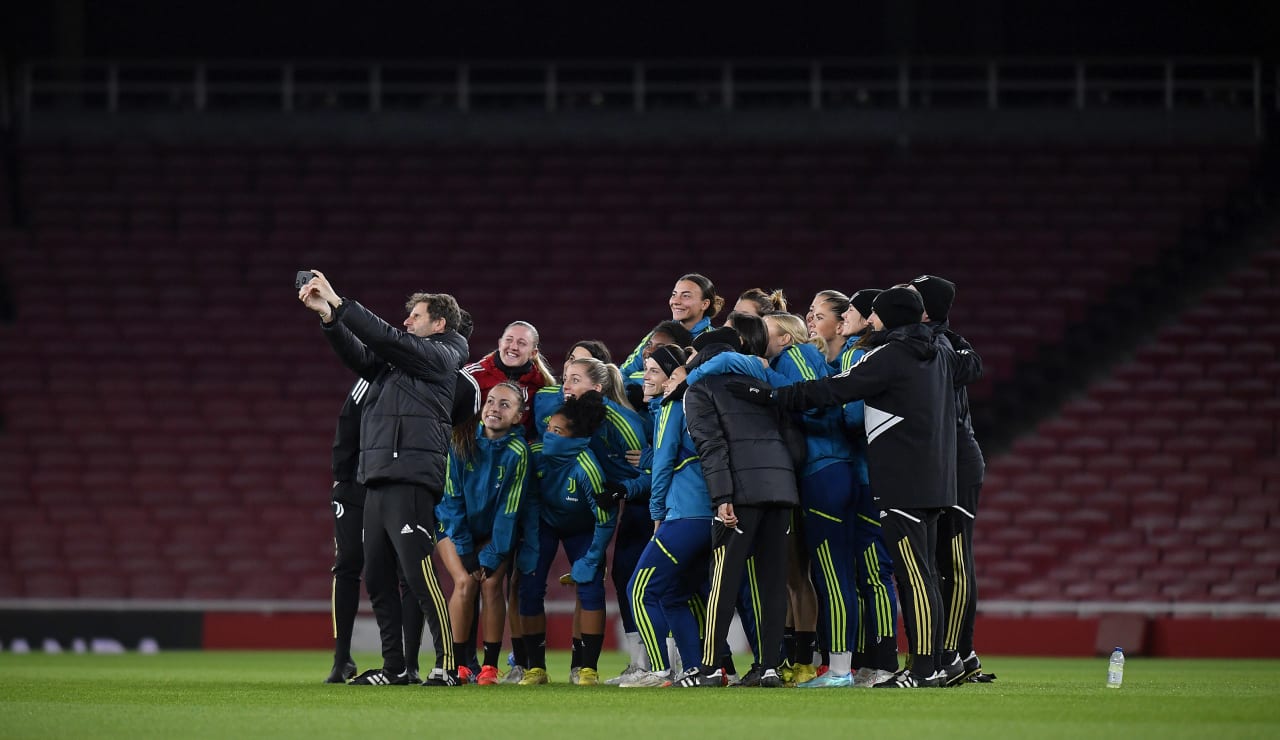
column 1161, row 481
column 169, row 406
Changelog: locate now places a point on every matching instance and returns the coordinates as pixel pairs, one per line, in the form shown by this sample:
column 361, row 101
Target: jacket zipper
column 395, row 442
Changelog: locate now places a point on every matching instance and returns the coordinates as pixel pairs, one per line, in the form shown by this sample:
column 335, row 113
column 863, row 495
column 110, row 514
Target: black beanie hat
column 937, row 294
column 723, row 335
column 680, row 336
column 862, row 300
column 668, row 357
column 898, row 307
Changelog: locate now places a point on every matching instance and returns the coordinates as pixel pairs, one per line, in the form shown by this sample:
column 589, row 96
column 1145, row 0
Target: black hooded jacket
column 405, row 425
column 967, row 450
column 907, row 384
column 744, row 456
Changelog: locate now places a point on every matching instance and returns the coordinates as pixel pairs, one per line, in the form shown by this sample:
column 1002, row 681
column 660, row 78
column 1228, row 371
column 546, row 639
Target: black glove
column 470, row 561
column 747, row 392
column 958, row 343
column 617, row 490
column 610, row 494
column 635, row 396
column 677, row 393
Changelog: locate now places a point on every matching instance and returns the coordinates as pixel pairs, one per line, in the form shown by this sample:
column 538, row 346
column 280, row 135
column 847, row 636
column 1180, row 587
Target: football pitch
column 280, row 694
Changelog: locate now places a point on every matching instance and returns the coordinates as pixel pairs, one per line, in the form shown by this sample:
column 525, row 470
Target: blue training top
column 483, row 496
column 568, row 479
column 852, row 418
column 825, row 440
column 622, row 430
column 679, row 490
column 633, row 368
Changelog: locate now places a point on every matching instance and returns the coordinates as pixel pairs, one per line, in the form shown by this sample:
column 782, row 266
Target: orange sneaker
column 465, row 676
column 488, row 676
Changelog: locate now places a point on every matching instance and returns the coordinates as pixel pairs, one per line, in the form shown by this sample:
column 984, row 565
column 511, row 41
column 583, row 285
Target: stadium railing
column 831, row 84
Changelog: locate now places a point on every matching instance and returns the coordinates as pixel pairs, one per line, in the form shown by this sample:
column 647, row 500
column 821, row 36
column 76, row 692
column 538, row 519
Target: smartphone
column 302, row 278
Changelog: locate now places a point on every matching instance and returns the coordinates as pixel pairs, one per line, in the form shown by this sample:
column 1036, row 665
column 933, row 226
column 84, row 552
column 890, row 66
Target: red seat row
column 175, row 445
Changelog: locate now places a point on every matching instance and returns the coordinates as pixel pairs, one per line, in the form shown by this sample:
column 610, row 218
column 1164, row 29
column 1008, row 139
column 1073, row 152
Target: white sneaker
column 879, row 677
column 514, row 675
column 862, row 678
column 628, row 673
column 648, row 679
column 573, row 676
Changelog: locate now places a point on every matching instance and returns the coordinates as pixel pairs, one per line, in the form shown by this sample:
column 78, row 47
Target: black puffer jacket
column 744, row 456
column 404, row 429
column 908, row 387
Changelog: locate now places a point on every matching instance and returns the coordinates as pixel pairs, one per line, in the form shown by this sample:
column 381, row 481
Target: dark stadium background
column 1193, row 510
column 484, row 29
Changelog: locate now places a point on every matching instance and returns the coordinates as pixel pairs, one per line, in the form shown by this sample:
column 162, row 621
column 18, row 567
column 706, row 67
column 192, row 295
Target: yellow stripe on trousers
column 860, row 640
column 713, row 598
column 664, row 550
column 755, row 602
column 699, row 609
column 333, row 606
column 644, row 625
column 959, row 594
column 835, row 601
column 442, row 614
column 924, row 634
column 884, row 607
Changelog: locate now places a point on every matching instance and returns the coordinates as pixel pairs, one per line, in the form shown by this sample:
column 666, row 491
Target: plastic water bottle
column 1115, row 669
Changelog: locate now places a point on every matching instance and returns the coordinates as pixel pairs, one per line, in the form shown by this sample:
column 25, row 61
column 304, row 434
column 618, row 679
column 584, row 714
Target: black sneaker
column 695, row 677
column 973, row 670
column 770, row 680
column 953, row 672
column 750, row 678
column 379, row 677
column 441, row 677
column 908, row 680
column 342, row 672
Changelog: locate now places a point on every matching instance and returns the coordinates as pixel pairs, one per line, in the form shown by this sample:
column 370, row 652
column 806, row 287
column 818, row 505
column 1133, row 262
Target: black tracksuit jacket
column 907, row 385
column 405, row 427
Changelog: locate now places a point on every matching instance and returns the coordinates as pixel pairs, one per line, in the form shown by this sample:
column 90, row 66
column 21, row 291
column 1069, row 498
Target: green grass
column 279, row 694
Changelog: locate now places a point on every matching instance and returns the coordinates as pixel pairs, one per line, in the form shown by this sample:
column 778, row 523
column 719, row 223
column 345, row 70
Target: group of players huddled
column 814, row 475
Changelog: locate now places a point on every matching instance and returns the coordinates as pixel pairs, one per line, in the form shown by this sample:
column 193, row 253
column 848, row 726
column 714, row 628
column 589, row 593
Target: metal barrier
column 878, row 84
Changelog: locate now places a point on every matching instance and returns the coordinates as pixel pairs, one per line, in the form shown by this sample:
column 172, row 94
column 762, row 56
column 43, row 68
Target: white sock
column 673, row 655
column 841, row 663
column 639, row 656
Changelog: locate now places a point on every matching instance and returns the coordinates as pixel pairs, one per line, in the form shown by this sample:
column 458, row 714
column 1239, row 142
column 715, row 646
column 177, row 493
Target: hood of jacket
column 457, row 342
column 558, row 448
column 918, row 338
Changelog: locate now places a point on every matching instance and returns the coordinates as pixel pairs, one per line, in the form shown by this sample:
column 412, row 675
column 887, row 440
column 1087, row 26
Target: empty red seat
column 189, row 449
column 1139, row 590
